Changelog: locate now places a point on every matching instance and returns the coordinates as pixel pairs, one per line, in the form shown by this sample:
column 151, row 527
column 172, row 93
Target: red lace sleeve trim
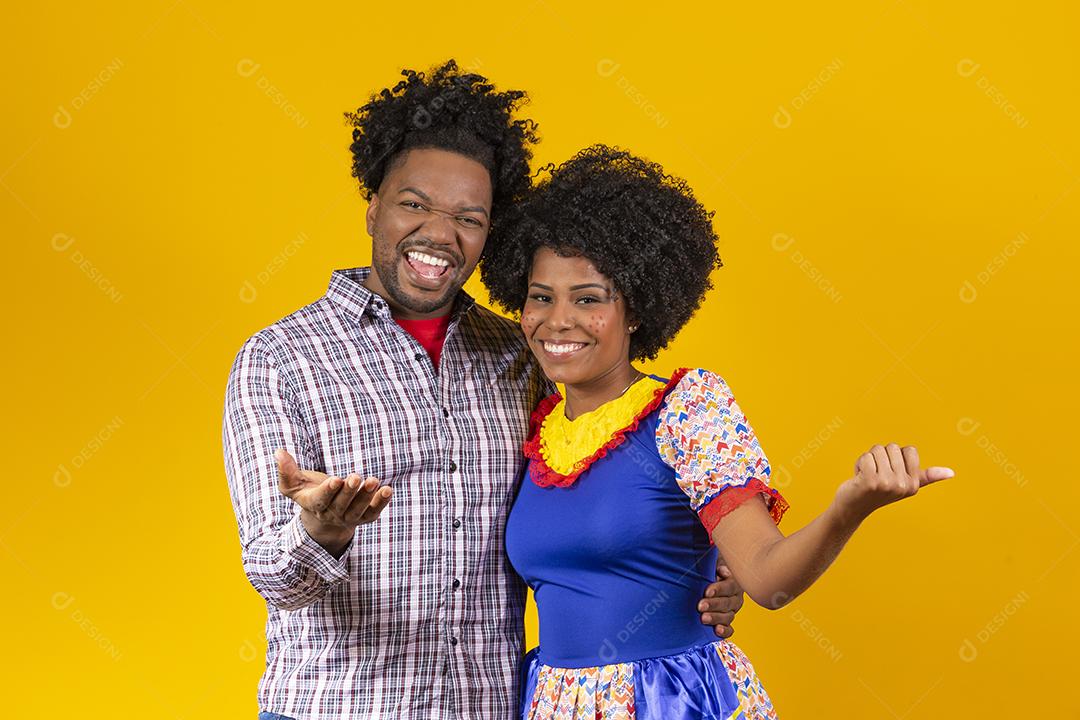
column 730, row 498
column 545, row 476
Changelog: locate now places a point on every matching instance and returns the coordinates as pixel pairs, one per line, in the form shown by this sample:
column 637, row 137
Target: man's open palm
column 334, row 502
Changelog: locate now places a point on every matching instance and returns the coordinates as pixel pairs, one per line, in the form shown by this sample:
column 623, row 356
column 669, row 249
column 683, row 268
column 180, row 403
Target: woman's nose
column 560, row 317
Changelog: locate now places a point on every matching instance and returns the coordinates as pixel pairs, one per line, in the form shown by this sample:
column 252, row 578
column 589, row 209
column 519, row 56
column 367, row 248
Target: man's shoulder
column 285, row 334
column 500, row 341
column 487, row 324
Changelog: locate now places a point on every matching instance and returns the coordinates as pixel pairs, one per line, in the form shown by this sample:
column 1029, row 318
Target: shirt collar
column 347, row 291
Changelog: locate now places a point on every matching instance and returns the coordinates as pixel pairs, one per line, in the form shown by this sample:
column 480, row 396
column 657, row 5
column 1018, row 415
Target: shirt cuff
column 303, row 549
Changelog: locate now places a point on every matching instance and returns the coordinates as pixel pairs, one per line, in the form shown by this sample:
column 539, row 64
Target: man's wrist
column 333, row 539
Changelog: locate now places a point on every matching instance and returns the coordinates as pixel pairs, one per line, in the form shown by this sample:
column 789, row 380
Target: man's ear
column 372, row 211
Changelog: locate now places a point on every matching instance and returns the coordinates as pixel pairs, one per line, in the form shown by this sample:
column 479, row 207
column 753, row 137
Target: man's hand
column 722, row 600
column 330, row 507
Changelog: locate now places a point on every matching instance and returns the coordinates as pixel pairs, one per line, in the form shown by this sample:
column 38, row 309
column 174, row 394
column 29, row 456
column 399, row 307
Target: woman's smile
column 560, row 350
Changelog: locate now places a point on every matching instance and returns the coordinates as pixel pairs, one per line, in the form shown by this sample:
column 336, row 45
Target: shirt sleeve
column 705, row 437
column 284, row 564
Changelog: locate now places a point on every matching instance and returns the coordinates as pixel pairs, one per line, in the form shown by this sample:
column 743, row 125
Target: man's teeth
column 561, row 348
column 427, row 259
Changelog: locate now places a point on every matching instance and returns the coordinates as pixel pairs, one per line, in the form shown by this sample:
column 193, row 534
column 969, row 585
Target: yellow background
column 895, row 186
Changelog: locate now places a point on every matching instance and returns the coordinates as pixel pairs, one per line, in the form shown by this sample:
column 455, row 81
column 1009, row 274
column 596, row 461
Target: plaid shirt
column 422, row 616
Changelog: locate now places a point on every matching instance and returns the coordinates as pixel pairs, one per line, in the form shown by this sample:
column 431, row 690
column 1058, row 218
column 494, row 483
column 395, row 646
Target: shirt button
column 456, row 583
column 453, row 641
column 446, row 412
column 418, row 357
column 457, row 523
column 452, row 466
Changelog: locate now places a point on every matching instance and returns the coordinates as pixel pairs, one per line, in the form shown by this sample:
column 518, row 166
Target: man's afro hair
column 451, row 110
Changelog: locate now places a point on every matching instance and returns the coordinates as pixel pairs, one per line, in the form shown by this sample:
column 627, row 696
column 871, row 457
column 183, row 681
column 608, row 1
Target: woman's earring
column 632, row 328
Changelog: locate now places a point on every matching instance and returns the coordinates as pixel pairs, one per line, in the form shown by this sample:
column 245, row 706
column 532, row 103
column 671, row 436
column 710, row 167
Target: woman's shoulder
column 699, row 403
column 693, row 385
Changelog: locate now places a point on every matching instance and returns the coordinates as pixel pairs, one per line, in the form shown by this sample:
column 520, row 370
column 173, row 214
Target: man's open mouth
column 425, row 265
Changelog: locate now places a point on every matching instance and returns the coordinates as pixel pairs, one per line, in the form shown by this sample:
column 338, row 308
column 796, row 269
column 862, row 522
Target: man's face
column 428, row 224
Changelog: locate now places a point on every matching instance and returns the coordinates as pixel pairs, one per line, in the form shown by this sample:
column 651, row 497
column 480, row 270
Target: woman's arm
column 774, row 569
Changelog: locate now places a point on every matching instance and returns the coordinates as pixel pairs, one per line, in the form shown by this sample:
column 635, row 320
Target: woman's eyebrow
column 605, row 288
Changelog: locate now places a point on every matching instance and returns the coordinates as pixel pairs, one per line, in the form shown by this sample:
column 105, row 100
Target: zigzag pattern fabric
column 754, row 702
column 596, row 693
column 704, row 435
column 607, row 692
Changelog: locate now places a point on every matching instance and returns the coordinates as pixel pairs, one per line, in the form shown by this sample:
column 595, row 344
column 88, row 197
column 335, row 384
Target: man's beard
column 387, row 269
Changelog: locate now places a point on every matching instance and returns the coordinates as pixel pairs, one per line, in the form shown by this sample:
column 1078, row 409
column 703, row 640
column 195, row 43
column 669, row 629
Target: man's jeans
column 272, row 716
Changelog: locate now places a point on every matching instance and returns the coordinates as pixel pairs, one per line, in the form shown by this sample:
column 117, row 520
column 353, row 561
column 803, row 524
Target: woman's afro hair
column 451, row 110
column 639, row 226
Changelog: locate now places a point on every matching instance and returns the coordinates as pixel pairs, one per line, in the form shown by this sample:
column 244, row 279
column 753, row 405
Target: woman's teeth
column 562, row 348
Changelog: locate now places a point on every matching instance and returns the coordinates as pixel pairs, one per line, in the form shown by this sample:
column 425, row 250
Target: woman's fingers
column 934, row 474
column 908, row 482
column 911, row 460
column 719, row 618
column 881, row 459
column 866, row 465
column 890, row 472
column 727, row 603
column 896, row 458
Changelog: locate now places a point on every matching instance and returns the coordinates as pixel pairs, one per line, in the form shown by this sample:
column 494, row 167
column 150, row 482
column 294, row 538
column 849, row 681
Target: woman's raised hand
column 884, row 475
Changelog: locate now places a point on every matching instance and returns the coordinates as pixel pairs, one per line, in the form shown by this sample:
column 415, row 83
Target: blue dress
column 616, row 548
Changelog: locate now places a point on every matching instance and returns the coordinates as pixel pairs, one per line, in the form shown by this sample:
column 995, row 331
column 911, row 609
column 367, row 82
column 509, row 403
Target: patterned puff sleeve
column 705, row 437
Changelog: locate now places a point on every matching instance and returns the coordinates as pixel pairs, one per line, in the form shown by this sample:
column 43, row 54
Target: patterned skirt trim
column 709, row 682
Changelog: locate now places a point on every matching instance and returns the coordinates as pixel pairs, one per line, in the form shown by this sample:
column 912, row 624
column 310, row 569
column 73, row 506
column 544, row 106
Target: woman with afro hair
column 636, row 482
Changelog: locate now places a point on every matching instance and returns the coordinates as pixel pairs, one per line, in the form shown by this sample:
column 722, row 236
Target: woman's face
column 575, row 320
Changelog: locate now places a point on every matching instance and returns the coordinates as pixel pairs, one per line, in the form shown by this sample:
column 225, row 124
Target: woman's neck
column 587, row 396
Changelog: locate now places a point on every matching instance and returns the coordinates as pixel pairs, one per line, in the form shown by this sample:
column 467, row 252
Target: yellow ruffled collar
column 567, row 447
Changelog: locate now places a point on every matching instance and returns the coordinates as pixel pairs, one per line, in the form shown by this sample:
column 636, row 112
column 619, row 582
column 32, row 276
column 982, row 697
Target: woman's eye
column 539, row 298
column 588, row 299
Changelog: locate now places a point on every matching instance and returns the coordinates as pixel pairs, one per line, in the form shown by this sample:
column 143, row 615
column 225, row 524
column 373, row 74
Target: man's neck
column 374, row 284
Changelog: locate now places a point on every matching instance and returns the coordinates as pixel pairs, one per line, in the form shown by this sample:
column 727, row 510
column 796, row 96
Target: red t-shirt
column 429, row 333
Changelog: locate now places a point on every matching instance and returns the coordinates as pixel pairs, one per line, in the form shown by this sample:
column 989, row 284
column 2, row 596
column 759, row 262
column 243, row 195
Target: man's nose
column 440, row 229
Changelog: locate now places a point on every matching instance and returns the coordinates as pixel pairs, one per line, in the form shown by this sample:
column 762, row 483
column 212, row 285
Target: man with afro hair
column 397, row 384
